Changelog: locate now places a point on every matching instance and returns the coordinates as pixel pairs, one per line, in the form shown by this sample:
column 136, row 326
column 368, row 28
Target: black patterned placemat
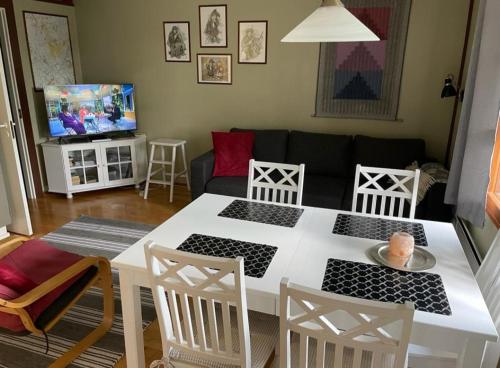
column 264, row 213
column 377, row 228
column 257, row 257
column 384, row 284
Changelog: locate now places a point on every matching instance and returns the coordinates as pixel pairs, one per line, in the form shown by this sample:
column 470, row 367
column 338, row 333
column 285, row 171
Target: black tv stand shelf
column 96, row 138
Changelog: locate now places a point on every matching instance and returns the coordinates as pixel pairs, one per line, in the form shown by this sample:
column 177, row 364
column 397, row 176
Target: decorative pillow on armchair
column 233, row 151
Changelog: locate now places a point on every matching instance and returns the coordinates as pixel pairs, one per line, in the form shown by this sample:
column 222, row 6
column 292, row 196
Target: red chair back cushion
column 15, row 279
column 26, row 267
column 232, row 151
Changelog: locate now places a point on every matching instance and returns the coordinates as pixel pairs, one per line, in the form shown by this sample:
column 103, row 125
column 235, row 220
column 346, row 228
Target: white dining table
column 302, row 255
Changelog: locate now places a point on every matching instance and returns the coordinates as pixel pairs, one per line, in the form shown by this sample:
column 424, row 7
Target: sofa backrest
column 387, row 152
column 270, row 145
column 323, row 154
column 331, row 154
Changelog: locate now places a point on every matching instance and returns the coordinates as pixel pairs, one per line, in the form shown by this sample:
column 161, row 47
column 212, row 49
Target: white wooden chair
column 275, row 182
column 488, row 278
column 202, row 311
column 336, row 331
column 389, row 198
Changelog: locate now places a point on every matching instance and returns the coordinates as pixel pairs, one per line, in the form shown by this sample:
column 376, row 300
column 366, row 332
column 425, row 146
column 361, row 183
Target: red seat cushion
column 37, row 261
column 232, row 152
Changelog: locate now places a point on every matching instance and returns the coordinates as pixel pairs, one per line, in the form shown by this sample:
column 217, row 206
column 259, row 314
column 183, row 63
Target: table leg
column 472, row 354
column 132, row 321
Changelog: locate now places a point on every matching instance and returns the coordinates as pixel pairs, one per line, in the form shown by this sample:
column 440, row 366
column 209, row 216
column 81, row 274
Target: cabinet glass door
column 83, row 167
column 119, row 163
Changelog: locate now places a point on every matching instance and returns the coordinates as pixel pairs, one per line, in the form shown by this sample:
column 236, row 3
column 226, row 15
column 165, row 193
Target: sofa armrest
column 202, row 168
column 433, row 207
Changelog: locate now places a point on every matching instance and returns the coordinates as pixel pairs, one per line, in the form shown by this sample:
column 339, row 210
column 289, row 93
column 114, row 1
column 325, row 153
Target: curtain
column 469, row 172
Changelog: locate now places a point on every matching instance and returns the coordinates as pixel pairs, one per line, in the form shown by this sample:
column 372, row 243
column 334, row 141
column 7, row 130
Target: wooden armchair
column 39, row 309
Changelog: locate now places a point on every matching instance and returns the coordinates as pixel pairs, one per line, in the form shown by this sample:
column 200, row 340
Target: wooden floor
column 51, row 211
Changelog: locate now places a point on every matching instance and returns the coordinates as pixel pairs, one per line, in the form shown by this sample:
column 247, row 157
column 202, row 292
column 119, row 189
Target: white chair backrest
column 168, row 272
column 389, row 198
column 286, row 189
column 355, row 327
column 488, row 278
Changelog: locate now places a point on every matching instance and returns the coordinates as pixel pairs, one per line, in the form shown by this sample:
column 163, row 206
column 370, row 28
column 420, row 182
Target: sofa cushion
column 323, row 154
column 270, row 144
column 389, row 153
column 232, row 152
column 235, row 186
column 323, row 191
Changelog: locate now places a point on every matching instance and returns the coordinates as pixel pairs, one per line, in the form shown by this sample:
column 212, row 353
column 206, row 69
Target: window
column 493, row 196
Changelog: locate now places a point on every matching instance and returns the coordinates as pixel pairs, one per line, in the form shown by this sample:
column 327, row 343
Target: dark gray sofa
column 330, row 162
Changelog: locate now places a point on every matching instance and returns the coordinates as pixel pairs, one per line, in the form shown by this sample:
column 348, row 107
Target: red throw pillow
column 15, row 279
column 233, row 151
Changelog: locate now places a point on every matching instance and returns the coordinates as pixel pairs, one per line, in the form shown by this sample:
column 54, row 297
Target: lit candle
column 401, row 244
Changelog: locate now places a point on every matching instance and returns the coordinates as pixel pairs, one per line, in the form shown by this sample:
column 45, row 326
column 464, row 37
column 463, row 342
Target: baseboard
column 4, row 234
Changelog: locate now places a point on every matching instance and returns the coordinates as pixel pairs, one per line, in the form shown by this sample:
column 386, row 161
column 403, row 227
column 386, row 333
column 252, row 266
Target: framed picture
column 49, row 47
column 177, row 41
column 215, row 68
column 252, row 42
column 213, row 25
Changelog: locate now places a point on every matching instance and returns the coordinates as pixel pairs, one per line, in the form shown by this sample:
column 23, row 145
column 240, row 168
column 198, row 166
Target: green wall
column 122, row 41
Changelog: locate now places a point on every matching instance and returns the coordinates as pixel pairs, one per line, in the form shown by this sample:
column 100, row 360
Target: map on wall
column 49, row 47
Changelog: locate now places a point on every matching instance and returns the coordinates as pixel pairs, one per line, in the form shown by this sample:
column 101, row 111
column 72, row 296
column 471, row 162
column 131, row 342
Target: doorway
column 18, row 101
column 14, row 155
column 15, row 106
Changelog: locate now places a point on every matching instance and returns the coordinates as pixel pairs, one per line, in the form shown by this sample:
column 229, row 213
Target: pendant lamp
column 331, row 22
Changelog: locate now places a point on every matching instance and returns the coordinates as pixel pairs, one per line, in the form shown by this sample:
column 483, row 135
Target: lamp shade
column 332, row 22
column 449, row 89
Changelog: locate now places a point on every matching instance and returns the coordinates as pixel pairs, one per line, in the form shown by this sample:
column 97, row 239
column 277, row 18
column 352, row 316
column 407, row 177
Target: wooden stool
column 162, row 143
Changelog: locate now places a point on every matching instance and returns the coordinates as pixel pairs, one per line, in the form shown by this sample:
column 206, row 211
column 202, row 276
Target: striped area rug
column 85, row 236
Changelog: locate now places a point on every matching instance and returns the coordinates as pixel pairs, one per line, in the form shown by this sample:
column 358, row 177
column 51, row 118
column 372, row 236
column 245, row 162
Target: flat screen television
column 90, row 109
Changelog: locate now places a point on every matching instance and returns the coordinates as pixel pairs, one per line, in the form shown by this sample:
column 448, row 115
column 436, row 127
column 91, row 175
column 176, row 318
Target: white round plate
column 420, row 260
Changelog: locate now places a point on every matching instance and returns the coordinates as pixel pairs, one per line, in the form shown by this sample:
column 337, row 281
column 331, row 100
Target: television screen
column 89, row 109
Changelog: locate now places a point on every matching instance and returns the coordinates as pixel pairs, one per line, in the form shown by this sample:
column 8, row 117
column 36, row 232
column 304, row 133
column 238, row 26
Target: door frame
column 23, row 98
column 15, row 106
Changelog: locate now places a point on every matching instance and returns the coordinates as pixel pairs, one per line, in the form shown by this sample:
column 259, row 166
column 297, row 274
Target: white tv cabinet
column 80, row 167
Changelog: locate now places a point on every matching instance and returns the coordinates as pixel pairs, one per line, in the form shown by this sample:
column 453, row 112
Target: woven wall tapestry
column 362, row 79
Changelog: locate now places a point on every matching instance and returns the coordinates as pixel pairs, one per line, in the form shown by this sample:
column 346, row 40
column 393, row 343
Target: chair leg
column 106, row 284
column 172, row 174
column 185, row 166
column 163, row 169
column 150, row 166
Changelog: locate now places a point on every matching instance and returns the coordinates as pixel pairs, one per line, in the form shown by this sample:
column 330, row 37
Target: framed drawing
column 215, row 69
column 213, row 25
column 252, row 42
column 49, row 47
column 177, row 41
